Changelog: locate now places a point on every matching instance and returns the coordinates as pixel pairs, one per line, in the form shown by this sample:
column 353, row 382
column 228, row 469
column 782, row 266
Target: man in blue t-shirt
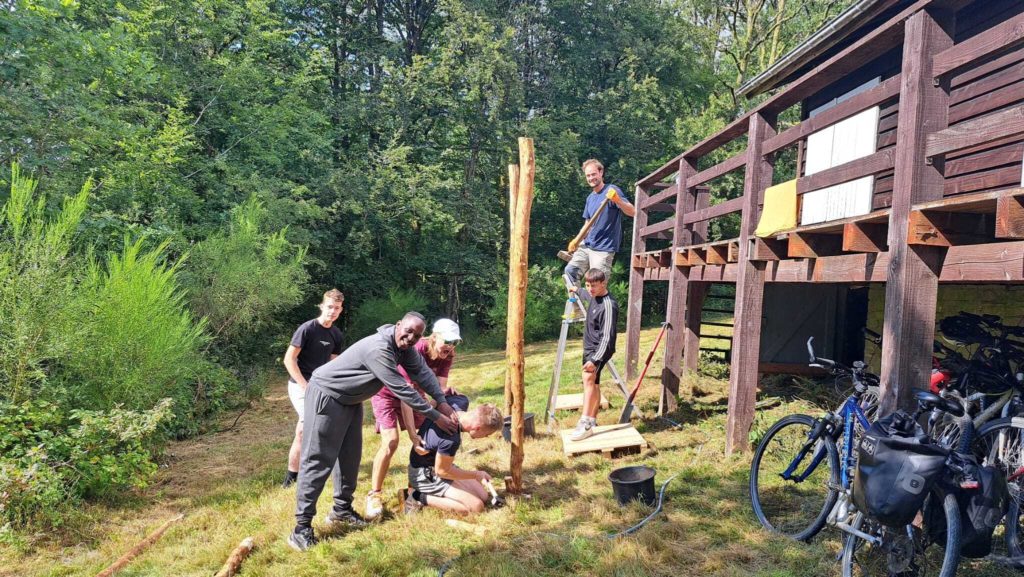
column 434, row 480
column 605, row 237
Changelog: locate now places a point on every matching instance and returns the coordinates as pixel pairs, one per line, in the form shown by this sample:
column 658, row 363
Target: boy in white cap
column 390, row 414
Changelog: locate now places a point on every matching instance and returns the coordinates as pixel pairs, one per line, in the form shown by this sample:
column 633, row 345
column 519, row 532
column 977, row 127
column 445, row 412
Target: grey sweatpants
column 331, row 432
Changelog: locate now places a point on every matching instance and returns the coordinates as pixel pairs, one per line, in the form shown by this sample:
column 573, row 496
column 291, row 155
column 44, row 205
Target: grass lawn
column 227, row 485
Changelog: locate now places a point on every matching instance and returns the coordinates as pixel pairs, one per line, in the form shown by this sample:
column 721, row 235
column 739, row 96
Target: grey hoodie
column 362, row 369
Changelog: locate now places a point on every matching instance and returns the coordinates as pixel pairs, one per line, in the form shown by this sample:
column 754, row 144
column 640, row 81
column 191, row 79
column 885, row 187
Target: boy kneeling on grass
column 434, row 479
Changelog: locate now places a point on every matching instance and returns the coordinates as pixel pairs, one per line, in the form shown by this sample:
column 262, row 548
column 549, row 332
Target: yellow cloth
column 779, row 211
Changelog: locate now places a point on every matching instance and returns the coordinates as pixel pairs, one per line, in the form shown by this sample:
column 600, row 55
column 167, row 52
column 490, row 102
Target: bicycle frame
column 848, row 414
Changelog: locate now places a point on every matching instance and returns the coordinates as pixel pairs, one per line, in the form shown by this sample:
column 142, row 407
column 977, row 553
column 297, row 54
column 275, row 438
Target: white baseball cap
column 448, row 330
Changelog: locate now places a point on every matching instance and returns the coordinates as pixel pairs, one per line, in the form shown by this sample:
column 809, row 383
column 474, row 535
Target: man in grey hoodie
column 334, row 417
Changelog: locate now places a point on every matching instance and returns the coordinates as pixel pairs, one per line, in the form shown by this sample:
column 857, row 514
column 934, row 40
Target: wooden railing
column 953, row 123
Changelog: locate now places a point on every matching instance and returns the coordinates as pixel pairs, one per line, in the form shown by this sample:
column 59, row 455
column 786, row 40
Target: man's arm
column 444, row 466
column 622, row 202
column 421, row 374
column 389, row 376
column 291, row 363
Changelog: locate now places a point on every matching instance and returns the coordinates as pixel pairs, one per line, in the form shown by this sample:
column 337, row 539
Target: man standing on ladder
column 603, row 217
column 598, row 346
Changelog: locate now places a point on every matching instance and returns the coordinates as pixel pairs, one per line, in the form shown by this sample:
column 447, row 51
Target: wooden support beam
column 719, row 209
column 718, row 170
column 1010, row 216
column 913, row 272
column 680, row 258
column 718, row 254
column 691, row 331
column 749, row 293
column 678, row 287
column 942, row 228
column 865, row 237
column 635, row 300
column 764, row 249
column 697, row 256
column 813, row 245
column 653, row 229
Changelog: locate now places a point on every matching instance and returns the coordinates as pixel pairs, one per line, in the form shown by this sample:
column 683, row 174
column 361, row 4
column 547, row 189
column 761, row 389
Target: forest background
column 181, row 179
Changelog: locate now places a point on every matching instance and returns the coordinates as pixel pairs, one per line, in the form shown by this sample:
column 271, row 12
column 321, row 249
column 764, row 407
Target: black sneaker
column 346, row 517
column 302, row 539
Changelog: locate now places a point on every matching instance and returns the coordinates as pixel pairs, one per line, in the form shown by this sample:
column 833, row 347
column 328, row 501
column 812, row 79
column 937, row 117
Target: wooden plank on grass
column 574, row 402
column 608, row 439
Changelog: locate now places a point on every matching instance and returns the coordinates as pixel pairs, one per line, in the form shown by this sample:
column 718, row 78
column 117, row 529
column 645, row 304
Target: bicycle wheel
column 903, row 551
column 795, row 508
column 1001, row 443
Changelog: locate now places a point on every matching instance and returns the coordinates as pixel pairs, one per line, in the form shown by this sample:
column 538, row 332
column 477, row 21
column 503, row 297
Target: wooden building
column 906, row 145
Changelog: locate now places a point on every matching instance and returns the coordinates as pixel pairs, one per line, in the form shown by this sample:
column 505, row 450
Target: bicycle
column 800, row 471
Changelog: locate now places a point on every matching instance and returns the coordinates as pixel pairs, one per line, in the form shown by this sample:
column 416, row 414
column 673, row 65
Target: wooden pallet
column 609, row 440
column 574, row 402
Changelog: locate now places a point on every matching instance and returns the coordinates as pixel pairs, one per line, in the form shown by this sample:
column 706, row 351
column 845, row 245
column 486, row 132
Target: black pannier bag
column 897, row 465
column 981, row 511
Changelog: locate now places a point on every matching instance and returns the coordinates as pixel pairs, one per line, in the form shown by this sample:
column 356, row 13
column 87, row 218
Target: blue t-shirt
column 606, row 234
column 437, row 441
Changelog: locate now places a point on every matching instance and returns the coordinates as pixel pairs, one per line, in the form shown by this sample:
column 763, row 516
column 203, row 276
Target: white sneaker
column 374, row 505
column 583, row 430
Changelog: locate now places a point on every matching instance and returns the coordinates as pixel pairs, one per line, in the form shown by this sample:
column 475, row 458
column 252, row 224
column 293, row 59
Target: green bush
column 51, row 458
column 241, row 280
column 545, row 304
column 139, row 342
column 37, row 319
column 377, row 311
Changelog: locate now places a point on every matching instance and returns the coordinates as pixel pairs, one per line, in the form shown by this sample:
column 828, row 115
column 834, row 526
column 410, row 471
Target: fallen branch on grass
column 234, row 562
column 127, row 557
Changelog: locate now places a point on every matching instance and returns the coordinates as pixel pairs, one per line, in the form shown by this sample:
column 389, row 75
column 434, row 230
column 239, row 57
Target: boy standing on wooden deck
column 598, row 346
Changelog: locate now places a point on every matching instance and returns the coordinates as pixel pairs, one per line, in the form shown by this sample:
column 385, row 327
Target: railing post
column 746, row 343
column 912, row 283
column 677, row 292
column 636, row 287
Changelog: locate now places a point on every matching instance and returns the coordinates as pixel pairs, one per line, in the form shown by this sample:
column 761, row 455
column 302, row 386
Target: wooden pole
column 517, row 277
column 234, row 562
column 513, row 196
column 134, row 552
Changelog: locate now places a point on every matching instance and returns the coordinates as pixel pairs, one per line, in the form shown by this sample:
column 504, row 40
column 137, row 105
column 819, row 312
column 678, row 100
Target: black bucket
column 633, row 484
column 506, row 430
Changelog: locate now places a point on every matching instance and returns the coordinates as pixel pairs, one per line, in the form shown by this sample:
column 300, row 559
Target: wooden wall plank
column 719, row 169
column 1001, row 37
column 1009, row 122
column 719, row 209
column 1010, row 216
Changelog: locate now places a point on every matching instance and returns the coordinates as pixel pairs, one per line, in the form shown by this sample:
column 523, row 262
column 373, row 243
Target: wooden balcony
column 946, row 203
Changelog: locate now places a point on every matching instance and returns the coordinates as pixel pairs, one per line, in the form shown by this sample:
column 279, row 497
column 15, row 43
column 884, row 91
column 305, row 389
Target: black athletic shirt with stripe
column 599, row 332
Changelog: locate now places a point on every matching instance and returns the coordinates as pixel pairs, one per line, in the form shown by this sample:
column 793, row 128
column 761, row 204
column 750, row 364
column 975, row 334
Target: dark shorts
column 600, row 367
column 427, row 482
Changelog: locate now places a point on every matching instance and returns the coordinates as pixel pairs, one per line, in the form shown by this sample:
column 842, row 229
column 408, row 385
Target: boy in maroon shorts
column 438, row 351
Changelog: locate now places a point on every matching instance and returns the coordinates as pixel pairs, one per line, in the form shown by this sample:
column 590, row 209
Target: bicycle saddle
column 928, row 401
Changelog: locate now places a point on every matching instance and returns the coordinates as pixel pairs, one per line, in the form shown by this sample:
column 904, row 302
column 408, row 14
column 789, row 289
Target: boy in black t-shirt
column 598, row 346
column 434, row 480
column 314, row 343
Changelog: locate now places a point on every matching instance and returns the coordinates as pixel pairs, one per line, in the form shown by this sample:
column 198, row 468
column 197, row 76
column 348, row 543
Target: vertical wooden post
column 517, row 279
column 695, row 293
column 513, row 196
column 634, row 307
column 675, row 313
column 912, row 284
column 746, row 343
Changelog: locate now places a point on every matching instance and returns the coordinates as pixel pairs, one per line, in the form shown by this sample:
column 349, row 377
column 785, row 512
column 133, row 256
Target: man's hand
column 482, row 476
column 589, row 367
column 448, row 411
column 573, row 245
column 447, row 424
column 611, row 194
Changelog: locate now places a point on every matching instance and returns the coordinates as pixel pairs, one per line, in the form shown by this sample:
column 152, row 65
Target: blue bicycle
column 803, row 466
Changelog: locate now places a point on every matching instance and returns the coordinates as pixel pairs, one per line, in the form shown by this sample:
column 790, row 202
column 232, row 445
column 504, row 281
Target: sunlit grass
column 227, row 486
